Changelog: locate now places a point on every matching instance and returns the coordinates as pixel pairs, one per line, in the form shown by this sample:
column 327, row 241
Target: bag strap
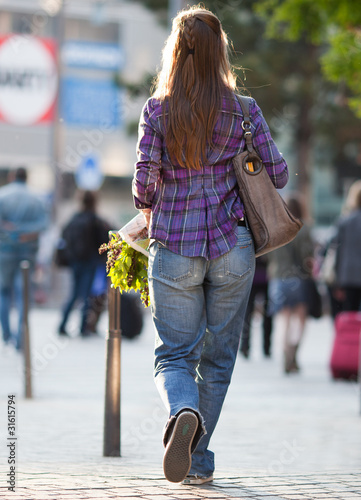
column 246, row 124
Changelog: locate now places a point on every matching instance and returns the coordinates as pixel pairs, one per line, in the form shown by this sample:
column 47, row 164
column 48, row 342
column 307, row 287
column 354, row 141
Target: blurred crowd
column 306, row 278
column 27, row 235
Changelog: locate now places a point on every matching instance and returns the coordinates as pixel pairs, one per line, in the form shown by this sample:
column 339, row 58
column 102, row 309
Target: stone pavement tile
column 291, row 496
column 324, row 485
column 123, row 492
column 191, row 495
column 354, row 496
column 17, row 496
column 127, row 491
column 269, row 497
column 184, row 488
column 263, row 489
column 139, row 482
column 294, row 490
column 275, row 490
column 18, row 491
column 317, row 488
column 172, row 496
column 74, row 494
column 342, row 486
column 297, row 481
column 213, row 490
column 216, row 495
column 94, row 494
column 325, row 495
column 233, row 487
column 291, row 488
column 333, row 491
column 351, row 494
column 255, row 491
column 250, row 481
column 150, row 490
column 240, row 492
column 69, row 495
column 278, row 484
column 165, row 497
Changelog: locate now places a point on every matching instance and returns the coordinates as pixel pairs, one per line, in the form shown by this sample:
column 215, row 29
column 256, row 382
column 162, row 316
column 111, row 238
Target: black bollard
column 111, row 444
column 25, row 267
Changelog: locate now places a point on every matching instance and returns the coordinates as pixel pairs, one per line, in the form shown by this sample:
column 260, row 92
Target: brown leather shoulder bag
column 268, row 216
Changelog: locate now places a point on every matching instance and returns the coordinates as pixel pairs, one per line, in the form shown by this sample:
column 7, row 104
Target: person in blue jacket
column 23, row 217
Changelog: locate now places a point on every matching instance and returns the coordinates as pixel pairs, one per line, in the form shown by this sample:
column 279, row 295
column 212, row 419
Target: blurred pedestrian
column 82, row 236
column 290, row 271
column 201, row 261
column 259, row 289
column 97, row 297
column 348, row 253
column 326, row 258
column 22, row 218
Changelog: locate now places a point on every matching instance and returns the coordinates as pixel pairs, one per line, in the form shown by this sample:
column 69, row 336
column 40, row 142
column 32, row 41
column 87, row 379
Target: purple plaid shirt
column 195, row 212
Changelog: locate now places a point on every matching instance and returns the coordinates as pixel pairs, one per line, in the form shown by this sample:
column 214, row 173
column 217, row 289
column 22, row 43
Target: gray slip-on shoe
column 177, row 458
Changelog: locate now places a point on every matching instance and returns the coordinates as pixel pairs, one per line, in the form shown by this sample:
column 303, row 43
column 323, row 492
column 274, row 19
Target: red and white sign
column 28, row 79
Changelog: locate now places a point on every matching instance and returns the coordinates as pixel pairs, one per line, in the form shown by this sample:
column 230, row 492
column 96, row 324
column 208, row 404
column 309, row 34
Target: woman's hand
column 147, row 212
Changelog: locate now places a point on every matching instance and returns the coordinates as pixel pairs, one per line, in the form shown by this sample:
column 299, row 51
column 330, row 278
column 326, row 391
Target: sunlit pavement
column 279, row 437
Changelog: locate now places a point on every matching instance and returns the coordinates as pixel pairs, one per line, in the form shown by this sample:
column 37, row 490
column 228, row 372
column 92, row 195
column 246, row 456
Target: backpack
column 61, row 255
column 80, row 237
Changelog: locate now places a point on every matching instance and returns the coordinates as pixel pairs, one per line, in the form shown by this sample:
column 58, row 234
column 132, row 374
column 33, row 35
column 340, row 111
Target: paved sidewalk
column 279, row 437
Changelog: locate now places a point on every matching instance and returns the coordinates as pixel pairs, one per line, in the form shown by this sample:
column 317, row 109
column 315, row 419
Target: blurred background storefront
column 74, row 76
column 97, row 57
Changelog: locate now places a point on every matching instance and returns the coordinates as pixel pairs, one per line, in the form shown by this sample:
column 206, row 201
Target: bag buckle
column 246, row 125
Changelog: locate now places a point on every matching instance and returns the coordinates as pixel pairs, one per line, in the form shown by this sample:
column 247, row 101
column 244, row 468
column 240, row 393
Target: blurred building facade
column 108, row 49
column 101, row 44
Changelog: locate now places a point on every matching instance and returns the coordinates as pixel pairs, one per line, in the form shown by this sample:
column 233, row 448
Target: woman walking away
column 290, row 271
column 201, row 260
column 348, row 242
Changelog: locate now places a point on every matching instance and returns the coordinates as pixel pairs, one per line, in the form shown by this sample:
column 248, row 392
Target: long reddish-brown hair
column 195, row 75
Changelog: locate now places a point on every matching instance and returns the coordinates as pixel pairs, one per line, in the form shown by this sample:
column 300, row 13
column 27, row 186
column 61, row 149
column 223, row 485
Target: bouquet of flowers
column 127, row 258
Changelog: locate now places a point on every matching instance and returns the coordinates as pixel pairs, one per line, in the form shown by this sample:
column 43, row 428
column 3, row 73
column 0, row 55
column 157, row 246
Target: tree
column 285, row 77
column 277, row 77
column 333, row 24
column 284, row 82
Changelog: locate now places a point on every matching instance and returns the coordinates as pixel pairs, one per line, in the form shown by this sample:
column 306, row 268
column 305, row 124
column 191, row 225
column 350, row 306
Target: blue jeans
column 83, row 275
column 11, row 288
column 198, row 308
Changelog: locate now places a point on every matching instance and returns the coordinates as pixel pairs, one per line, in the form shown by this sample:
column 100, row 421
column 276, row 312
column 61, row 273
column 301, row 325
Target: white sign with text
column 28, row 79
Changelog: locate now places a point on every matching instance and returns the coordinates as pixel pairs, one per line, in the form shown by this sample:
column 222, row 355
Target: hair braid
column 188, row 73
column 188, row 31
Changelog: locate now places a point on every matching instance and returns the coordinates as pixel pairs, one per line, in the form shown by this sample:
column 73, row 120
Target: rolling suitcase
column 345, row 357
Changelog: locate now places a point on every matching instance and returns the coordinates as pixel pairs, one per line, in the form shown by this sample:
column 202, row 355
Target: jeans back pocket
column 172, row 266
